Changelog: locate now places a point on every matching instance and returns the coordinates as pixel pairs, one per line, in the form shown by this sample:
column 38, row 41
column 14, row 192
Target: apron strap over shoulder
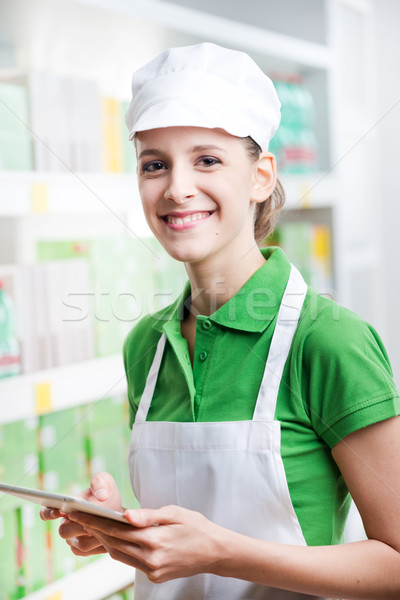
column 144, row 405
column 288, row 317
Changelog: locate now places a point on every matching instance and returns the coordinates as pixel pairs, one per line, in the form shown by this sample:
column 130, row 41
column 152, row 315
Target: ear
column 264, row 177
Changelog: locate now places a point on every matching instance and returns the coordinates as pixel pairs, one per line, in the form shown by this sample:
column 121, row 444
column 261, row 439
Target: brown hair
column 267, row 211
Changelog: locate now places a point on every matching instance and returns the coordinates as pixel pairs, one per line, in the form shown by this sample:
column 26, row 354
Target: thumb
column 103, row 486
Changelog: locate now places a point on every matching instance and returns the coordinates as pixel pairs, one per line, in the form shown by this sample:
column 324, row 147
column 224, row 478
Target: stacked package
column 50, row 332
column 295, row 142
column 15, row 135
column 59, row 452
column 83, row 297
column 23, row 541
column 129, row 277
column 308, row 245
column 54, row 123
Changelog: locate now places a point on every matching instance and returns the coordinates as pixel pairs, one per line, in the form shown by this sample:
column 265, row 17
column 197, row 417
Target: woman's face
column 196, row 187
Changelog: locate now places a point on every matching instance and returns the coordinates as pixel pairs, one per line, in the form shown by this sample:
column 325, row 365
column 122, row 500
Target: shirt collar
column 252, row 308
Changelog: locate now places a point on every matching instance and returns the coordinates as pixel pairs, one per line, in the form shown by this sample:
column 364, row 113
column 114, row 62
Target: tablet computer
column 64, row 503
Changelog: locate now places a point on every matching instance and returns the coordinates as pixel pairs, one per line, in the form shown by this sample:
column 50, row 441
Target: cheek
column 149, row 195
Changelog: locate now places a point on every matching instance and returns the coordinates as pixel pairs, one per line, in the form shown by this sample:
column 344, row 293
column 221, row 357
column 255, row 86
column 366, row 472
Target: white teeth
column 187, row 219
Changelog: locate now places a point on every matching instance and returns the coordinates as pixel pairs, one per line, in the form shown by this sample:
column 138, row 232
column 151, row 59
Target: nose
column 180, row 187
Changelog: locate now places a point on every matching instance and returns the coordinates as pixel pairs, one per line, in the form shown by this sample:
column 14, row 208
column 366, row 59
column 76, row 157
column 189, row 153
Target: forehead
column 185, row 137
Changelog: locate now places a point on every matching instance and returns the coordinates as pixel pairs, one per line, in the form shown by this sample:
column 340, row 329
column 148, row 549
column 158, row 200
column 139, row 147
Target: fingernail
column 74, row 541
column 101, row 494
column 52, row 514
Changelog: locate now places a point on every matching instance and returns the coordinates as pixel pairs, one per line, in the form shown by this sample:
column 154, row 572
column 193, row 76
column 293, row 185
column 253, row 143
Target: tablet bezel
column 62, row 502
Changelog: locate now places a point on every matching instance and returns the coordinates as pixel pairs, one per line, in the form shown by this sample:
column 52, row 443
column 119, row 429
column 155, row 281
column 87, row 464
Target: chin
column 195, row 253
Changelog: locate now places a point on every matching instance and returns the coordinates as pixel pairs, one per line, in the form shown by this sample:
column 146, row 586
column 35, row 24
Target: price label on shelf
column 43, row 401
column 56, row 596
column 40, row 197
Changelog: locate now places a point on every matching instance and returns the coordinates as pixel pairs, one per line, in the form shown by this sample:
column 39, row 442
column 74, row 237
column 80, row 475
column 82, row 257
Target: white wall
column 388, row 44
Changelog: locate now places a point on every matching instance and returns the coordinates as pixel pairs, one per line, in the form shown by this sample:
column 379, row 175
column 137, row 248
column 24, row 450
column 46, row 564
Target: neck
column 214, row 284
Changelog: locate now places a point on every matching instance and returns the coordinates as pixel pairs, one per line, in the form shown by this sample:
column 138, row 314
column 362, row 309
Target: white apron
column 232, row 472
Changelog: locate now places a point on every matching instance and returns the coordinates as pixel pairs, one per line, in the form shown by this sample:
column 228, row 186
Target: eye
column 153, row 166
column 208, row 161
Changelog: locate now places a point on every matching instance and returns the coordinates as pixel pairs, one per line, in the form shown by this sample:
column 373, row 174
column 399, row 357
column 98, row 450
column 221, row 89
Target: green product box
column 17, row 438
column 296, row 239
column 62, row 249
column 18, row 470
column 108, row 436
column 15, row 138
column 63, row 463
column 104, row 412
column 123, row 283
column 107, row 453
column 130, row 278
column 65, row 474
column 15, row 152
column 63, row 560
column 13, row 108
column 8, row 555
column 64, row 423
column 129, row 499
column 128, row 149
column 34, row 546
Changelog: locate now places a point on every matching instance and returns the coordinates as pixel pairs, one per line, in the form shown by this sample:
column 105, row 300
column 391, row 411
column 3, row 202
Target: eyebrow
column 149, row 152
column 199, row 148
column 207, row 147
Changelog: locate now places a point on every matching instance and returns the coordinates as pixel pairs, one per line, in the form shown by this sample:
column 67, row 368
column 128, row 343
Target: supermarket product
column 10, row 359
column 295, row 143
column 15, row 138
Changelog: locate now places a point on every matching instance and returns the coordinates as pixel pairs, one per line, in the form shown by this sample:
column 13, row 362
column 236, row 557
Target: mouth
column 187, row 219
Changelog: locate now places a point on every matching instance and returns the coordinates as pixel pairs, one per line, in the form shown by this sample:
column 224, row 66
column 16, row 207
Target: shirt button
column 203, row 355
column 206, row 325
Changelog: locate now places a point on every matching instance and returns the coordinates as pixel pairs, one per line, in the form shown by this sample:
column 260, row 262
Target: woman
column 255, row 404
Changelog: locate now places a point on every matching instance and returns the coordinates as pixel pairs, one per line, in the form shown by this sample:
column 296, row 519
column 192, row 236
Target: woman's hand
column 103, row 490
column 165, row 544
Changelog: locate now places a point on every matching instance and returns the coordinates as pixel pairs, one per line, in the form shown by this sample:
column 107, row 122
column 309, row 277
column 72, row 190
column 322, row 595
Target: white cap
column 204, row 85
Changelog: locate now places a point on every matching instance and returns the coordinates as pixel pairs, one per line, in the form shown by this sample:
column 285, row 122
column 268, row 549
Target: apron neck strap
column 288, row 317
column 144, row 405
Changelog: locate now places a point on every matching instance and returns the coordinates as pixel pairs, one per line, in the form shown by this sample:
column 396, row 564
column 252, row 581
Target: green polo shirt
column 337, row 379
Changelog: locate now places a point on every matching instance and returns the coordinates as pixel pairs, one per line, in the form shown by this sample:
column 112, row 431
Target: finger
column 69, row 529
column 95, row 551
column 128, row 559
column 124, row 551
column 85, row 543
column 145, row 517
column 48, row 514
column 146, row 538
column 124, row 539
column 103, row 487
column 92, row 522
column 113, row 531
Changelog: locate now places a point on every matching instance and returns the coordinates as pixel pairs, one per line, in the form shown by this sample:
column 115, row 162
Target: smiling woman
column 201, row 183
column 256, row 405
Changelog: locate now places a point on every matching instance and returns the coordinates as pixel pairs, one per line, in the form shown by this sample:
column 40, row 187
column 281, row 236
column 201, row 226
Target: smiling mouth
column 198, row 216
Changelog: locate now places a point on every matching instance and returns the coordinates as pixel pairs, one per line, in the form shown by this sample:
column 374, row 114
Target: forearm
column 366, row 570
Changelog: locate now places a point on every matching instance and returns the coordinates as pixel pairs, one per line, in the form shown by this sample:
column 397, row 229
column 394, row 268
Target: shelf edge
column 228, row 31
column 94, row 582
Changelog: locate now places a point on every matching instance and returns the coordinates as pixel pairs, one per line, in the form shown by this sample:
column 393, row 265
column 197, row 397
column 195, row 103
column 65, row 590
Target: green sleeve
column 348, row 378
